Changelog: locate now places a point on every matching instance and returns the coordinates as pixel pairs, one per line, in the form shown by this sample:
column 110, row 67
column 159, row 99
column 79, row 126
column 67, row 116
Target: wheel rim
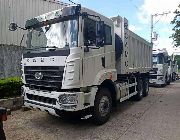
column 141, row 90
column 104, row 106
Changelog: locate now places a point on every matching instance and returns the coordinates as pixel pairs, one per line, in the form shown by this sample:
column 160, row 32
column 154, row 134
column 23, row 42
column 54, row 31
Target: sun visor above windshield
column 58, row 14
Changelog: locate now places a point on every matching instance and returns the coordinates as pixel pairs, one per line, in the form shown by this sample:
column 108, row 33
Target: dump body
column 136, row 52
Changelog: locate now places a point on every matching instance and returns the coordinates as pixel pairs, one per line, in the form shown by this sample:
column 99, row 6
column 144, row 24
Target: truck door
column 109, row 47
column 94, row 58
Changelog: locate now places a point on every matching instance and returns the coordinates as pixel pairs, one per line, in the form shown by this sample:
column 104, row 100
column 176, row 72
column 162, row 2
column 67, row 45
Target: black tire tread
column 145, row 81
column 138, row 97
column 97, row 119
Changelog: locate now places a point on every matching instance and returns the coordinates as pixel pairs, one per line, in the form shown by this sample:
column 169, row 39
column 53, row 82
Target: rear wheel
column 102, row 106
column 139, row 94
column 145, row 87
column 173, row 77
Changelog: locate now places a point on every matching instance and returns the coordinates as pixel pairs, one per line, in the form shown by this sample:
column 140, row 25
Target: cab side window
column 89, row 32
column 92, row 35
column 161, row 59
column 108, row 36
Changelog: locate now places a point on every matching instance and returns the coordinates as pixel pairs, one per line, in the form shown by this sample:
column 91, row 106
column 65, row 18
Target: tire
column 102, row 106
column 165, row 84
column 169, row 81
column 145, row 87
column 2, row 134
column 139, row 94
column 172, row 78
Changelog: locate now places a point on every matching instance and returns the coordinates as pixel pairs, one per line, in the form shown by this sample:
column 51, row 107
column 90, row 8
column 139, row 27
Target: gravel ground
column 156, row 117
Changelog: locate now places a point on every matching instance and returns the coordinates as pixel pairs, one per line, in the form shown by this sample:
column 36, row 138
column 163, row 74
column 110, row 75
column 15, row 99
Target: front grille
column 152, row 76
column 51, row 79
column 41, row 99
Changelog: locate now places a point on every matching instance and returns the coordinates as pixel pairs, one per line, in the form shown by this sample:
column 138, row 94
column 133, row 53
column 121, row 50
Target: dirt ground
column 156, row 117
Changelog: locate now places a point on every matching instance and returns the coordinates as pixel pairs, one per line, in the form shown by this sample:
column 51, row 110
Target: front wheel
column 169, row 80
column 165, row 82
column 102, row 106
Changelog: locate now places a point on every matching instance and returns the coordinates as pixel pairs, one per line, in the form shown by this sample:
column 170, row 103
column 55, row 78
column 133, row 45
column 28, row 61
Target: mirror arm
column 21, row 28
column 95, row 47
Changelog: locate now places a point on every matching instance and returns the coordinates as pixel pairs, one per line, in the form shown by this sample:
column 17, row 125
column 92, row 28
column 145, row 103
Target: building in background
column 18, row 11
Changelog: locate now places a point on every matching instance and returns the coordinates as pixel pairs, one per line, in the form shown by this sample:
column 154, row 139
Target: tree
column 176, row 29
column 177, row 58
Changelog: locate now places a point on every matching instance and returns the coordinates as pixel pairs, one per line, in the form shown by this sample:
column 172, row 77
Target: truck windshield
column 59, row 35
column 155, row 59
column 158, row 59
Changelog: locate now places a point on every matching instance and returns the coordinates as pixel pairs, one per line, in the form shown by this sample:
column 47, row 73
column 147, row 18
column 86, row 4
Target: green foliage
column 10, row 87
column 176, row 29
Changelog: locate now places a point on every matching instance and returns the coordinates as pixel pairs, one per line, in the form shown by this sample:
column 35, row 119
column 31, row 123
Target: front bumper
column 50, row 101
column 159, row 80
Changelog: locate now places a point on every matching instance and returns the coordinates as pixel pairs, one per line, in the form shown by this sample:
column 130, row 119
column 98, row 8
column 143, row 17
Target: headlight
column 68, row 99
column 161, row 71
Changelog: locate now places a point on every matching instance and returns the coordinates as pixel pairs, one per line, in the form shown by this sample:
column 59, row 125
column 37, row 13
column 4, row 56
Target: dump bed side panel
column 140, row 54
column 137, row 52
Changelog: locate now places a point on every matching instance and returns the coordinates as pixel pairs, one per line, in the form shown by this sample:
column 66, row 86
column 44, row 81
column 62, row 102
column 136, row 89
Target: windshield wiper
column 34, row 48
column 50, row 48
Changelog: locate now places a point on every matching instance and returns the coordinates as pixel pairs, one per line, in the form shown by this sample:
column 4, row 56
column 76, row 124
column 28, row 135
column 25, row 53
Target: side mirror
column 84, row 15
column 13, row 27
column 101, row 28
column 78, row 9
column 168, row 61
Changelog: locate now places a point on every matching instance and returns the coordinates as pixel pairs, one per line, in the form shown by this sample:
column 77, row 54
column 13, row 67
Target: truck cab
column 159, row 75
column 78, row 60
column 65, row 59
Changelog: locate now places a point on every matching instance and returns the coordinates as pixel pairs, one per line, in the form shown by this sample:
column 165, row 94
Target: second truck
column 159, row 75
column 78, row 60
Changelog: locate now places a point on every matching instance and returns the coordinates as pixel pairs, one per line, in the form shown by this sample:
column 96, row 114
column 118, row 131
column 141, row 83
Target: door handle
column 103, row 61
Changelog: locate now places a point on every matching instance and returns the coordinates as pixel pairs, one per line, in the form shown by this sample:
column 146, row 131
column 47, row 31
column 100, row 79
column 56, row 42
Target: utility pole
column 151, row 27
column 152, row 22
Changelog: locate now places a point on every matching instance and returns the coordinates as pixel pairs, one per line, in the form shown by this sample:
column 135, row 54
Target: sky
column 138, row 13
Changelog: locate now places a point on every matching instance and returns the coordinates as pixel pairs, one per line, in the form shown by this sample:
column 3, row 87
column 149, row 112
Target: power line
column 152, row 23
column 72, row 2
column 134, row 5
column 158, row 20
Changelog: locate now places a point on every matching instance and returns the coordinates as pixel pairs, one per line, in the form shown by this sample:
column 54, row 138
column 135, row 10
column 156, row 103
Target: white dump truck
column 78, row 60
column 159, row 75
